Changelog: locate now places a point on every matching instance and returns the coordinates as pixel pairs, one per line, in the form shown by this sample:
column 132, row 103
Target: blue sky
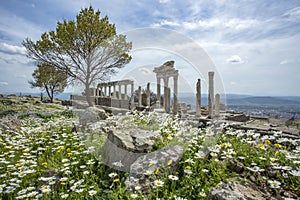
column 253, row 45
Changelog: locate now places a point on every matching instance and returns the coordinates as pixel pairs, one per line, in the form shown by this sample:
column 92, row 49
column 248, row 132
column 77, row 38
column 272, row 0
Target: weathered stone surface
column 140, row 171
column 121, row 139
column 111, row 153
column 238, row 117
column 10, row 124
column 135, row 140
column 127, row 145
column 79, row 104
column 91, row 115
column 236, row 166
column 237, row 191
column 160, row 158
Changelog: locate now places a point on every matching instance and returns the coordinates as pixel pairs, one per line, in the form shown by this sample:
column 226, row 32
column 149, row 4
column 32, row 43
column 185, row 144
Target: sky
column 253, row 46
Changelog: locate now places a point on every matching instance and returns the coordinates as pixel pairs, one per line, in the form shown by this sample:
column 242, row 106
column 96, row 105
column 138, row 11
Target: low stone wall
column 238, row 118
column 104, row 101
column 80, row 98
column 116, row 103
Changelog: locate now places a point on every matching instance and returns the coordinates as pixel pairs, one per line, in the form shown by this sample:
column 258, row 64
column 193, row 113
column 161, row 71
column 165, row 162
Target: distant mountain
column 205, row 95
column 260, row 100
column 236, row 96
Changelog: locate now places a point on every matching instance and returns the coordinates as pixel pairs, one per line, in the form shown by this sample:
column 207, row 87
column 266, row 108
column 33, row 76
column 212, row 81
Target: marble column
column 114, row 94
column 132, row 97
column 125, row 95
column 217, row 105
column 148, row 94
column 140, row 96
column 158, row 92
column 175, row 104
column 109, row 90
column 105, row 91
column 100, row 91
column 210, row 94
column 198, row 98
column 166, row 87
column 167, row 97
column 120, row 94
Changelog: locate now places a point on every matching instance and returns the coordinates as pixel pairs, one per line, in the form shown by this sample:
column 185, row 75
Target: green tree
column 88, row 49
column 49, row 79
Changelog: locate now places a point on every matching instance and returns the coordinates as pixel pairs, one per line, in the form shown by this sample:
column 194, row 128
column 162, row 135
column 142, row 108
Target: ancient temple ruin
column 110, row 94
column 214, row 104
column 164, row 72
column 115, row 94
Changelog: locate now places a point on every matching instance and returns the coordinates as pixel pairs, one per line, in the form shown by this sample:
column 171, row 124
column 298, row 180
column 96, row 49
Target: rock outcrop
column 166, row 159
column 237, row 191
column 135, row 140
column 10, row 124
column 127, row 145
column 91, row 115
column 129, row 148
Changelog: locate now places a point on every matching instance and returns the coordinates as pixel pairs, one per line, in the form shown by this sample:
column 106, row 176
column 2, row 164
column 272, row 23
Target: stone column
column 120, row 94
column 217, row 105
column 158, row 92
column 125, row 91
column 166, row 86
column 148, row 94
column 132, row 96
column 210, row 94
column 140, row 96
column 100, row 91
column 114, row 94
column 167, row 97
column 105, row 91
column 175, row 104
column 198, row 98
column 109, row 90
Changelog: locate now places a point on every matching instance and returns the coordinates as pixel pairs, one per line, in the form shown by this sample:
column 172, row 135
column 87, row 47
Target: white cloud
column 293, row 14
column 12, row 49
column 216, row 23
column 235, row 59
column 166, row 23
column 240, row 24
column 164, row 1
column 3, row 83
column 211, row 23
column 17, row 28
column 284, row 62
column 15, row 59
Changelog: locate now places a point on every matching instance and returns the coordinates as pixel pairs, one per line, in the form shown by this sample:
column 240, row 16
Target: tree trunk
column 51, row 98
column 48, row 93
column 88, row 95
